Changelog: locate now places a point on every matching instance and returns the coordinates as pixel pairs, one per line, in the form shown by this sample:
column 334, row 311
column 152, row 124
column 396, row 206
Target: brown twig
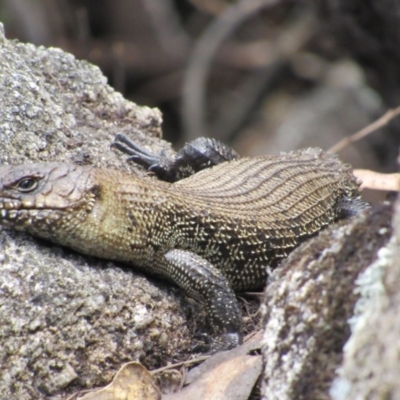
column 379, row 123
column 179, row 364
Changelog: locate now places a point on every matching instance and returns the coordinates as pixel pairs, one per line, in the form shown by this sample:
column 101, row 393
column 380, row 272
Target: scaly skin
column 212, row 233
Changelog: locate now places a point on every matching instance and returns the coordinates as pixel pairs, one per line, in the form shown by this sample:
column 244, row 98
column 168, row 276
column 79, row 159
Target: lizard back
column 250, row 213
column 273, row 189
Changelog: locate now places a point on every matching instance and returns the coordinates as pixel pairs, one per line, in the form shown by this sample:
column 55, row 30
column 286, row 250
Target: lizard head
column 39, row 198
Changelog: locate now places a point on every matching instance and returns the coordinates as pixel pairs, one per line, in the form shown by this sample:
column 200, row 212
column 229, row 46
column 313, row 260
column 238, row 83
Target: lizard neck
column 126, row 215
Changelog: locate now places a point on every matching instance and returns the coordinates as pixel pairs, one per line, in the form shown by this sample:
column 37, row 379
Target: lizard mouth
column 21, row 214
column 9, row 204
column 19, row 218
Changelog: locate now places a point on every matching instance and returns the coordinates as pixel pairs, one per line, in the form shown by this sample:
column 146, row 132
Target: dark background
column 264, row 76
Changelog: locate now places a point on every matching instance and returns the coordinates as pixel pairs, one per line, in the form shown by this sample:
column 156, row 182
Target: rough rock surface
column 309, row 301
column 371, row 365
column 68, row 322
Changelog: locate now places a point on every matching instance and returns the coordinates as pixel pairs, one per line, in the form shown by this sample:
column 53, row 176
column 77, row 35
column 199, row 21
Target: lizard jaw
column 21, row 219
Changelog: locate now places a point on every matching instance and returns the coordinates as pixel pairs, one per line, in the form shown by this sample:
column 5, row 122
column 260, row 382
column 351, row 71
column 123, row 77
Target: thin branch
column 379, row 123
column 180, row 364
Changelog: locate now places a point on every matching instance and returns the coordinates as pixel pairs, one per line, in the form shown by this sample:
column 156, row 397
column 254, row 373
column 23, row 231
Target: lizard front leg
column 200, row 280
column 195, row 156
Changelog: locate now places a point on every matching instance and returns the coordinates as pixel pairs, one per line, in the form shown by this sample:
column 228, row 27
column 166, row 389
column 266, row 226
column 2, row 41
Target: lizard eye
column 27, row 184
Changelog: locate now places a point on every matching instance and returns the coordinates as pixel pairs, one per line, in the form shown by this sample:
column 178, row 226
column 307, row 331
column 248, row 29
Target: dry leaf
column 377, row 181
column 229, row 375
column 132, row 382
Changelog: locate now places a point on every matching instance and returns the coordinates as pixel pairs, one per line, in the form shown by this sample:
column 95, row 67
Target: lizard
column 210, row 221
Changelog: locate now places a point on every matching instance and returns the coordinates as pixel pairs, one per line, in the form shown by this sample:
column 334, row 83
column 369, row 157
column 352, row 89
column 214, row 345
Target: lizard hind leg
column 203, row 153
column 199, row 279
column 349, row 207
column 194, row 156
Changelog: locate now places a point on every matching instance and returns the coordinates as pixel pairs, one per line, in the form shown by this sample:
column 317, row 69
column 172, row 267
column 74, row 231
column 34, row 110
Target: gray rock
column 371, row 360
column 308, row 303
column 68, row 322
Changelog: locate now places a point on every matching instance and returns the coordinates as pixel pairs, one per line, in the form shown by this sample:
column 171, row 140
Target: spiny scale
column 211, row 233
column 248, row 214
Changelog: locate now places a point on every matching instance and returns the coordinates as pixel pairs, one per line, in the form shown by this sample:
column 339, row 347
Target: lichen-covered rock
column 371, row 364
column 68, row 322
column 309, row 300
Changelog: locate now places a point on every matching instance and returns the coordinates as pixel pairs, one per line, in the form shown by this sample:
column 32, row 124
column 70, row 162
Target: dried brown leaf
column 378, row 181
column 229, row 375
column 132, row 382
